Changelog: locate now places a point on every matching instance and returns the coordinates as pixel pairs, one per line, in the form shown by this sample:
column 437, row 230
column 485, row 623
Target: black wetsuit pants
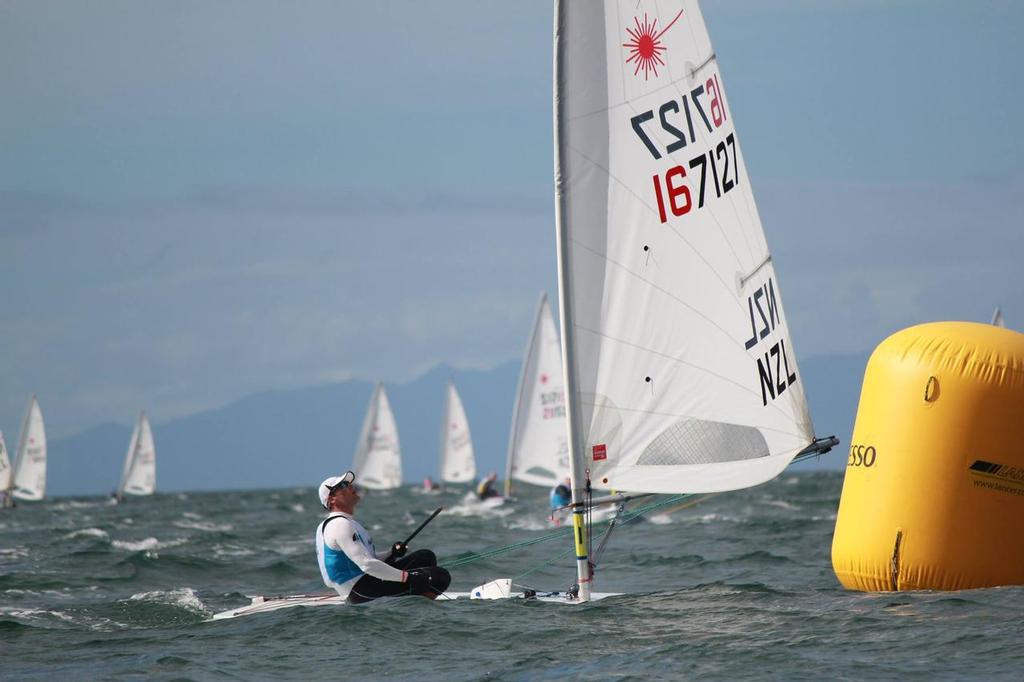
column 368, row 588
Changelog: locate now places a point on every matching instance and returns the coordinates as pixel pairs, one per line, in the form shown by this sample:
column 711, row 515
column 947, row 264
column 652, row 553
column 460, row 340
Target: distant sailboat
column 457, row 461
column 997, row 318
column 6, row 473
column 538, row 448
column 139, row 474
column 29, row 479
column 378, row 459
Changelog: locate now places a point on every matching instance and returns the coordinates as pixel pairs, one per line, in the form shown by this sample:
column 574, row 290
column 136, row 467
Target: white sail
column 139, row 474
column 997, row 318
column 30, row 463
column 6, row 472
column 457, row 462
column 681, row 370
column 538, row 450
column 378, row 459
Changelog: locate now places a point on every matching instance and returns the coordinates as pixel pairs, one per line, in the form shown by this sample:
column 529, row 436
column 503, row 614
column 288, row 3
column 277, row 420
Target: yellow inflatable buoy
column 934, row 491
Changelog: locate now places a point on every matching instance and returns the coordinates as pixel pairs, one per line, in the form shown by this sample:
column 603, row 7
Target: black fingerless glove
column 418, row 582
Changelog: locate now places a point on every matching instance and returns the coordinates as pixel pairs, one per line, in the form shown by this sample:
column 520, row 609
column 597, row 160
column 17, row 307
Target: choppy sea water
column 738, row 586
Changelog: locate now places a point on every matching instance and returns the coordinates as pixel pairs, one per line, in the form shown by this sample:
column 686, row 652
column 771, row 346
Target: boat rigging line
column 674, row 503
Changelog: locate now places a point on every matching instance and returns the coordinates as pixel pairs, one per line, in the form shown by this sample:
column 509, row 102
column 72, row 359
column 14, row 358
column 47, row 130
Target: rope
column 619, row 519
column 557, row 557
column 595, row 554
column 487, row 554
column 623, row 517
column 680, row 501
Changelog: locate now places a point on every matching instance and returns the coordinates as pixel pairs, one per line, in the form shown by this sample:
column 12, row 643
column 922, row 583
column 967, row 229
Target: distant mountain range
column 298, row 437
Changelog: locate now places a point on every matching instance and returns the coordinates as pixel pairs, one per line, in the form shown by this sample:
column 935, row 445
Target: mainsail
column 6, row 473
column 378, row 459
column 457, row 462
column 679, row 365
column 997, row 318
column 538, row 451
column 139, row 474
column 30, row 464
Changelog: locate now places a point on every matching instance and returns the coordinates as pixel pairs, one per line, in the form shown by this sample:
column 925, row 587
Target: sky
column 200, row 200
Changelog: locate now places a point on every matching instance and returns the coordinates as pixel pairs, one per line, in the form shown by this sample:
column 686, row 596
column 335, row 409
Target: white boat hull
column 268, row 604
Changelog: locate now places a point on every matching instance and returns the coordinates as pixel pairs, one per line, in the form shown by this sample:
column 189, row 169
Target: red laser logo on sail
column 645, row 48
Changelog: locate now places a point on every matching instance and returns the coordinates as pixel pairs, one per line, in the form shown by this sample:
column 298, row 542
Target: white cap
column 329, row 484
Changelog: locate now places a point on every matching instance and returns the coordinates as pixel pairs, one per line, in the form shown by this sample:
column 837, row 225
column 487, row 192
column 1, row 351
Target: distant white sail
column 6, row 472
column 997, row 318
column 538, row 449
column 681, row 372
column 457, row 462
column 139, row 474
column 30, row 463
column 378, row 459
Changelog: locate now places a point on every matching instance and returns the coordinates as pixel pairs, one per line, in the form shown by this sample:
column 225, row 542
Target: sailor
column 561, row 494
column 485, row 488
column 350, row 564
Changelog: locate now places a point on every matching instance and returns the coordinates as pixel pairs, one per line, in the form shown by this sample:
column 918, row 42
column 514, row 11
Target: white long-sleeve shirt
column 345, row 553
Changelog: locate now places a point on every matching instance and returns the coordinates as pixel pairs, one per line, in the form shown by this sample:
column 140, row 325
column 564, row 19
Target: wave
column 31, row 581
column 149, row 563
column 57, row 619
column 208, row 526
column 528, row 522
column 182, row 597
column 229, row 552
column 29, row 614
column 97, row 533
column 66, row 505
column 780, row 504
column 137, row 546
column 759, row 557
column 686, row 560
column 9, row 553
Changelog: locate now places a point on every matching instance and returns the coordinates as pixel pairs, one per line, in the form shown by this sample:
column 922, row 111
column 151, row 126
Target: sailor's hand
column 418, row 582
column 398, row 550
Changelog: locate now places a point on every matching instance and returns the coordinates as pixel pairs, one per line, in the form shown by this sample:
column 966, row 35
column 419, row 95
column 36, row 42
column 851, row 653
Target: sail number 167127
column 676, row 196
column 680, row 124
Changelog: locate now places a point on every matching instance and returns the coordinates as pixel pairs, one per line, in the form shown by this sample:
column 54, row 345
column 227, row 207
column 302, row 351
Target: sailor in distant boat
column 561, row 495
column 485, row 488
column 350, row 564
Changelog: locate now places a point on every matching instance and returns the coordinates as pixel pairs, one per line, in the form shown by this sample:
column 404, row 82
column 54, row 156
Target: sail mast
column 576, row 469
